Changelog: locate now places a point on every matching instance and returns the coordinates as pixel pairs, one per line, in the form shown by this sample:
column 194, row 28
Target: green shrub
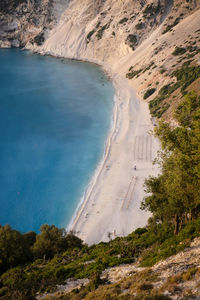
column 140, row 231
column 98, row 24
column 139, row 26
column 152, row 9
column 148, row 67
column 133, row 73
column 100, row 32
column 170, row 244
column 162, row 70
column 39, row 39
column 179, row 51
column 61, row 273
column 149, row 93
column 132, row 40
column 90, row 34
column 185, row 76
column 169, row 27
column 155, row 242
column 124, row 20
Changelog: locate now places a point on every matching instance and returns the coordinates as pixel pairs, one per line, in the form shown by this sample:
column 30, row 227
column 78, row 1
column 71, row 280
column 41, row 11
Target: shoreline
column 107, row 144
column 110, row 204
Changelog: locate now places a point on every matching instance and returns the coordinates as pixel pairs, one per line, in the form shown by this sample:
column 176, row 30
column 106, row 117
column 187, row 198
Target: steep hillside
column 53, row 265
column 134, row 38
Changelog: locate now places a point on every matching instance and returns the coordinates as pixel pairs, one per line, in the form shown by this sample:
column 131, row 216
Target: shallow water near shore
column 55, row 116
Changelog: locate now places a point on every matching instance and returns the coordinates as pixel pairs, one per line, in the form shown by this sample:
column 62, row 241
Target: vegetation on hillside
column 149, row 92
column 136, row 73
column 150, row 244
column 184, row 77
column 175, row 193
column 169, row 27
column 138, row 286
column 17, row 249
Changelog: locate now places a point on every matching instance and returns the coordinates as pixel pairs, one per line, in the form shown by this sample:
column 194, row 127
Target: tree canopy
column 174, row 195
column 17, row 248
column 53, row 240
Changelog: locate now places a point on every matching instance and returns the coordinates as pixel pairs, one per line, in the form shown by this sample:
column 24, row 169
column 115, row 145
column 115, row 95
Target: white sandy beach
column 111, row 205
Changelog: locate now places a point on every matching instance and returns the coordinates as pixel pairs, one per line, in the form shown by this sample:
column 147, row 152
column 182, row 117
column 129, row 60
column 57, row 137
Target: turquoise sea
column 55, row 116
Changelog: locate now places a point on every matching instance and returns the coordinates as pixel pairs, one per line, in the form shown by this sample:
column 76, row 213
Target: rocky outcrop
column 28, row 21
column 178, row 276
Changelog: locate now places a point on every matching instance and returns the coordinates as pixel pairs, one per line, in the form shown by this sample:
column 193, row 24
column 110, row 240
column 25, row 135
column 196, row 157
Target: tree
column 174, row 195
column 14, row 247
column 52, row 241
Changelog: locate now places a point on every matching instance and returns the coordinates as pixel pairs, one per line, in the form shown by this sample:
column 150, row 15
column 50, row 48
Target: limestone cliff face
column 105, row 30
column 122, row 34
column 23, row 21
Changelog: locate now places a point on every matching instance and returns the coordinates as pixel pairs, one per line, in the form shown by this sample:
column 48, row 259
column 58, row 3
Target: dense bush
column 149, row 92
column 139, row 26
column 124, row 20
column 132, row 41
column 52, row 241
column 179, row 51
column 169, row 27
column 39, row 39
column 184, row 76
column 17, row 249
column 133, row 73
column 100, row 32
column 152, row 9
column 14, row 247
column 89, row 35
column 174, row 195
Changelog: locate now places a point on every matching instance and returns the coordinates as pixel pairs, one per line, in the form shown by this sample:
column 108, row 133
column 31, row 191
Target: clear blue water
column 54, row 119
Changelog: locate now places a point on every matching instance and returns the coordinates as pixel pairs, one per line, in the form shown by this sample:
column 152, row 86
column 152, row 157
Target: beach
column 111, row 204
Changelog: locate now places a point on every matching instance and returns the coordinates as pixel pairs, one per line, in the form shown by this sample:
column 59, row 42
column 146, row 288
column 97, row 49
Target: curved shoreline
column 84, row 222
column 94, row 180
column 106, row 209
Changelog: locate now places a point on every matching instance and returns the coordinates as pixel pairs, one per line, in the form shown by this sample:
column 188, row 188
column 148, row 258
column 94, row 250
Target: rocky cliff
column 23, row 21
